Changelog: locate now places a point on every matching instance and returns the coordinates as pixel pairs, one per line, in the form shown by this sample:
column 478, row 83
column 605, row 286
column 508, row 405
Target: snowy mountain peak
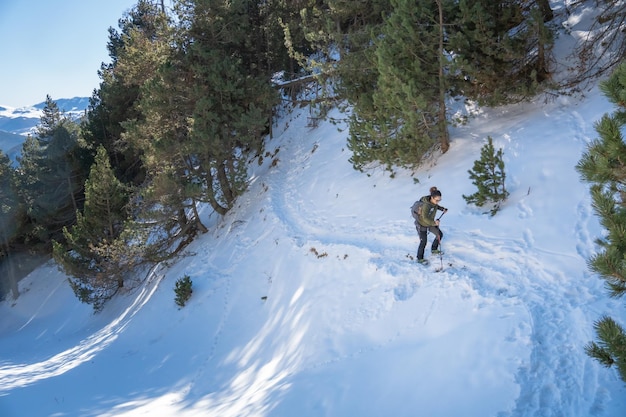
column 23, row 120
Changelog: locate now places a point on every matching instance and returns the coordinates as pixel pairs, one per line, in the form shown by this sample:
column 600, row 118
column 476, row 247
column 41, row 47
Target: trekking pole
column 440, row 251
column 440, row 246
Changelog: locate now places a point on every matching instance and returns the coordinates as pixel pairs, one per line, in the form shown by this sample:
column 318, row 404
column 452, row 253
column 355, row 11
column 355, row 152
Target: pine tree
column 500, row 49
column 602, row 165
column 51, row 173
column 200, row 119
column 97, row 251
column 400, row 61
column 489, row 177
column 155, row 125
column 135, row 51
column 610, row 350
column 183, row 290
column 289, row 47
column 11, row 217
column 50, row 120
column 407, row 115
column 9, row 200
column 8, row 197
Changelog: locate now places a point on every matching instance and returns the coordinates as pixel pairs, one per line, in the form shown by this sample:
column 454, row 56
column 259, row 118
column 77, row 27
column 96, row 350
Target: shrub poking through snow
column 183, row 290
column 488, row 176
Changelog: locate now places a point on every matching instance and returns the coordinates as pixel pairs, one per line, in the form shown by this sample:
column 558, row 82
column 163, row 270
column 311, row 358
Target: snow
column 24, row 120
column 308, row 301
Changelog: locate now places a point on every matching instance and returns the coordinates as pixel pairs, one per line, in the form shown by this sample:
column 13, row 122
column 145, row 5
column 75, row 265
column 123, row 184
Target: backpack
column 415, row 208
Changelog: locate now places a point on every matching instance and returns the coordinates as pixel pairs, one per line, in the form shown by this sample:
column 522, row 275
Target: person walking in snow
column 424, row 212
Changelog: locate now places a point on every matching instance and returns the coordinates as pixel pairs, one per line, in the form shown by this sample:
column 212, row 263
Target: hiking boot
column 422, row 261
column 436, row 252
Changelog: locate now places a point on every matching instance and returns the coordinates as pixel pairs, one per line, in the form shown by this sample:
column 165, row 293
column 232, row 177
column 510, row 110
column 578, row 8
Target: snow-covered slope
column 307, row 300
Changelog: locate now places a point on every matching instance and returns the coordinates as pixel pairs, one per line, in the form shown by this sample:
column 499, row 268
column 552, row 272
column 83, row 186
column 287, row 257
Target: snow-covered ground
column 308, row 302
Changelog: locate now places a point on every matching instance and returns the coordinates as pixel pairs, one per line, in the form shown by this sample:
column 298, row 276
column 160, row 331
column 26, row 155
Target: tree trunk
column 225, row 185
column 546, row 11
column 182, row 220
column 11, row 274
column 211, row 194
column 199, row 223
column 444, row 136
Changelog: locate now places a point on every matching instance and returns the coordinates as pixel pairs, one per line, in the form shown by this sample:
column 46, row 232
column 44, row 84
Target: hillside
column 11, row 143
column 307, row 301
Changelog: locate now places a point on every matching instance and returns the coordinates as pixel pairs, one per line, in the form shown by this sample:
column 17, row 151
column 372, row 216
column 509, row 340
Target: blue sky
column 53, row 47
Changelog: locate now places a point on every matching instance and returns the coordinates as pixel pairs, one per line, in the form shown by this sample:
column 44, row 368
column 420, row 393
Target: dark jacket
column 427, row 212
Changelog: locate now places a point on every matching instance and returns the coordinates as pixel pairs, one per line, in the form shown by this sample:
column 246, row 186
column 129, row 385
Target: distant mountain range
column 22, row 120
column 17, row 123
column 11, row 144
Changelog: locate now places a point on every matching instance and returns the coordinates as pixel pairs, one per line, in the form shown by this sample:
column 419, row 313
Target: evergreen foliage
column 157, row 134
column 376, row 127
column 50, row 120
column 9, row 204
column 97, row 251
column 288, row 45
column 501, row 50
column 488, row 176
column 340, row 33
column 200, row 119
column 343, row 28
column 188, row 97
column 116, row 99
column 400, row 61
column 407, row 114
column 11, row 217
column 183, row 290
column 602, row 165
column 52, row 170
column 610, row 350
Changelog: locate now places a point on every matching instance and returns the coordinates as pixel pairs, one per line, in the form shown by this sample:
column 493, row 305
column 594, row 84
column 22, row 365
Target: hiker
column 425, row 222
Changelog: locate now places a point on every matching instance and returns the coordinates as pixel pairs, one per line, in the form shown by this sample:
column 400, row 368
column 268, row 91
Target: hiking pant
column 422, row 231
